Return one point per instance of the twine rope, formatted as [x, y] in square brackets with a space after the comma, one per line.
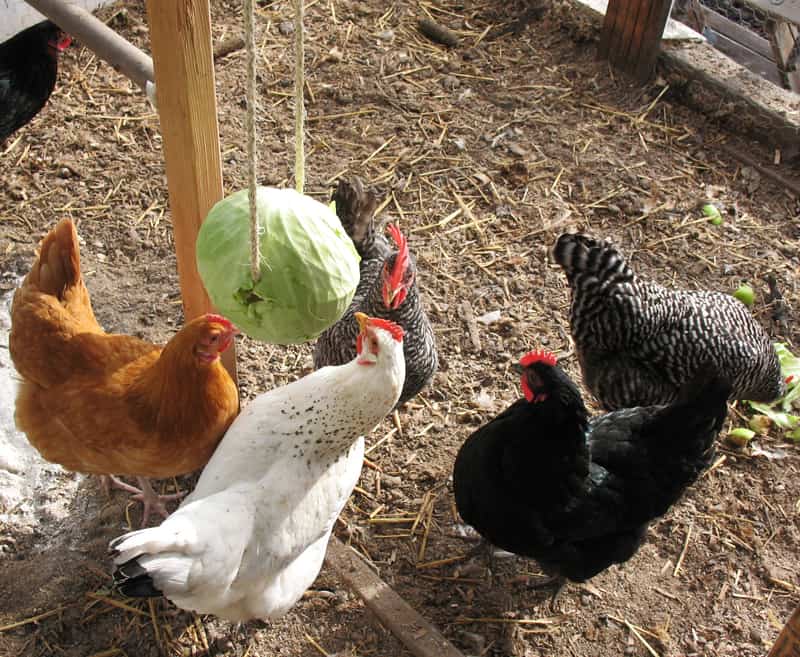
[252, 157]
[299, 99]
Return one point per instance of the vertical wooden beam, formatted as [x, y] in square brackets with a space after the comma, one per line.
[631, 35]
[782, 36]
[788, 642]
[180, 38]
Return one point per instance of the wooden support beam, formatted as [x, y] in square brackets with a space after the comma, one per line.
[783, 36]
[420, 637]
[180, 38]
[788, 641]
[631, 35]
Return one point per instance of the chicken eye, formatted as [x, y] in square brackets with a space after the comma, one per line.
[214, 338]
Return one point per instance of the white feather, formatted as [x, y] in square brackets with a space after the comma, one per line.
[252, 536]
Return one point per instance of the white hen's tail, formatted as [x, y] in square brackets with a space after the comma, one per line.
[153, 561]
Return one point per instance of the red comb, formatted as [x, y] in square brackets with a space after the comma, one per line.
[538, 356]
[395, 329]
[219, 319]
[63, 42]
[789, 378]
[402, 259]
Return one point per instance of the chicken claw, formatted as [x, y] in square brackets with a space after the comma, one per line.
[146, 495]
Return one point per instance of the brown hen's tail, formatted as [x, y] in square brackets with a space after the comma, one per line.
[58, 266]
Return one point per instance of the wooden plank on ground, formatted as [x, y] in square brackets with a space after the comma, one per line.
[180, 38]
[631, 35]
[788, 642]
[758, 107]
[420, 637]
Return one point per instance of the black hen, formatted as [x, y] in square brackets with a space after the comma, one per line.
[28, 68]
[638, 342]
[543, 480]
[387, 289]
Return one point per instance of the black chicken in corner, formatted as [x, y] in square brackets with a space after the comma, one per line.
[28, 69]
[543, 480]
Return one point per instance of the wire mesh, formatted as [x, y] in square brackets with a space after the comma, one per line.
[739, 12]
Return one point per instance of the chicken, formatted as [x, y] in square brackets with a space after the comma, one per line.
[387, 288]
[543, 480]
[251, 537]
[638, 343]
[113, 404]
[28, 69]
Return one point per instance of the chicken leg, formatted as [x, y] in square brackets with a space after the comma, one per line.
[146, 495]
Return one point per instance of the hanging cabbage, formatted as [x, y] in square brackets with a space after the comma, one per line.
[309, 266]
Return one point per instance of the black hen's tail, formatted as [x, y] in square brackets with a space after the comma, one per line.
[691, 423]
[587, 261]
[133, 581]
[355, 207]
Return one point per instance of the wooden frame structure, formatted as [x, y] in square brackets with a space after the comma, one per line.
[632, 30]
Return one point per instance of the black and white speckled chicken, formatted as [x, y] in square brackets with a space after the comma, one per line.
[638, 342]
[387, 289]
[545, 481]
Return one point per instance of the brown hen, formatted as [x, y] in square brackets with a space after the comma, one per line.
[109, 404]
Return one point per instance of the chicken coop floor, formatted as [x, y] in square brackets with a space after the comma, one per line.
[483, 153]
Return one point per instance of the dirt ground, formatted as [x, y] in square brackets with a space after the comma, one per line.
[483, 153]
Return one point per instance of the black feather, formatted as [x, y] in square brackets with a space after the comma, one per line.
[133, 581]
[543, 480]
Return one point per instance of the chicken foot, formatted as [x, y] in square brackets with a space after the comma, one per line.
[151, 500]
[558, 582]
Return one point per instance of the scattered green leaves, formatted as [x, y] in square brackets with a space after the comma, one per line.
[779, 412]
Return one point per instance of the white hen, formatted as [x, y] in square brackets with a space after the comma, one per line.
[252, 536]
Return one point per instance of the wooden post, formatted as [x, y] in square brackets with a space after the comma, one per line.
[631, 36]
[788, 642]
[180, 38]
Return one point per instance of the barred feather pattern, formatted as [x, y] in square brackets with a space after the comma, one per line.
[639, 342]
[337, 344]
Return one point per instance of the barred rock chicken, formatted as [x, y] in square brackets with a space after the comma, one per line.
[110, 404]
[251, 537]
[387, 288]
[543, 480]
[638, 342]
[28, 69]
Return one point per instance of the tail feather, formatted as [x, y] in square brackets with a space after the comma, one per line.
[58, 266]
[133, 581]
[355, 207]
[152, 560]
[581, 256]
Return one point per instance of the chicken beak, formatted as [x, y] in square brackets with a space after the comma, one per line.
[362, 320]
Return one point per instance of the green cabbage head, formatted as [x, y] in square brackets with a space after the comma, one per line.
[309, 266]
